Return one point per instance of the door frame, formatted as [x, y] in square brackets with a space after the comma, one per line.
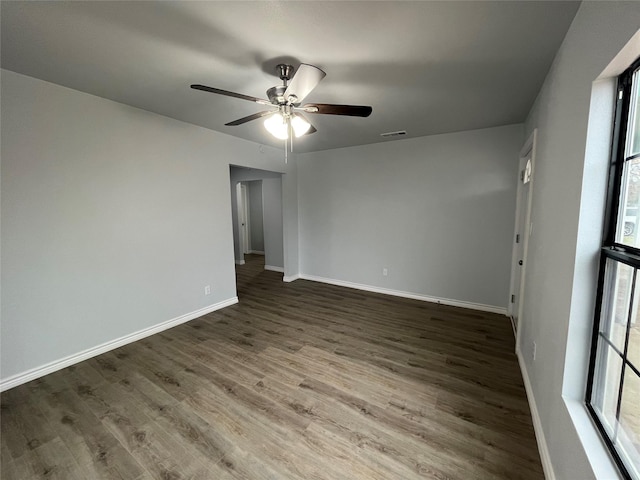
[528, 149]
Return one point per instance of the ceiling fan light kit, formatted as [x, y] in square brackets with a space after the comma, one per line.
[299, 125]
[281, 123]
[284, 122]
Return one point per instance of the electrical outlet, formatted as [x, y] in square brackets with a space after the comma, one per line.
[535, 347]
[207, 290]
[385, 272]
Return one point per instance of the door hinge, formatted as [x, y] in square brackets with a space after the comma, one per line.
[513, 299]
[517, 238]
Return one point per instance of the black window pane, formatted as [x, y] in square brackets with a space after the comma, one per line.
[633, 127]
[614, 377]
[628, 437]
[607, 386]
[633, 354]
[629, 216]
[616, 300]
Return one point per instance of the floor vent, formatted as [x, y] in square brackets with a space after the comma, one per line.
[399, 133]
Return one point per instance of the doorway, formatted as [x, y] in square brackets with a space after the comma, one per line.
[523, 228]
[257, 217]
[250, 214]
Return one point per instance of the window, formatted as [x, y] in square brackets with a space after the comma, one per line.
[613, 391]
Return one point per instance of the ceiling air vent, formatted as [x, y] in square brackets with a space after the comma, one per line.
[399, 133]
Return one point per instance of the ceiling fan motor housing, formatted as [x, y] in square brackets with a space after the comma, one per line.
[276, 94]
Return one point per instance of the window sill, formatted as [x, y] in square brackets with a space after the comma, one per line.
[603, 466]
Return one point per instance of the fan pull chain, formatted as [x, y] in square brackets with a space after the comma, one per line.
[285, 150]
[291, 135]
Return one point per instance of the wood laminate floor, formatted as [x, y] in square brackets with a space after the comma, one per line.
[297, 381]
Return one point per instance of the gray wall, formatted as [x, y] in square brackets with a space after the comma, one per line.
[568, 200]
[273, 214]
[255, 215]
[113, 220]
[437, 212]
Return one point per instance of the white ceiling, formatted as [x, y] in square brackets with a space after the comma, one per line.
[424, 67]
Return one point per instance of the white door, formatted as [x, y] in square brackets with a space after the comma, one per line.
[522, 232]
[246, 247]
[243, 218]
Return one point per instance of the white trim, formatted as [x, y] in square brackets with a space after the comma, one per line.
[601, 461]
[32, 374]
[291, 278]
[543, 448]
[239, 262]
[256, 252]
[274, 269]
[415, 296]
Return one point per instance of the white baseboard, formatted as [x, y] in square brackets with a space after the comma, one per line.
[274, 269]
[256, 252]
[543, 448]
[239, 262]
[20, 378]
[415, 296]
[291, 278]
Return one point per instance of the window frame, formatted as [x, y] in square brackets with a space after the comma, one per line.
[616, 252]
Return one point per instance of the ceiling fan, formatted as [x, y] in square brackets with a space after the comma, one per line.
[288, 119]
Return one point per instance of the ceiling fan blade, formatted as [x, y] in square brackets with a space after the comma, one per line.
[330, 109]
[204, 88]
[255, 116]
[305, 79]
